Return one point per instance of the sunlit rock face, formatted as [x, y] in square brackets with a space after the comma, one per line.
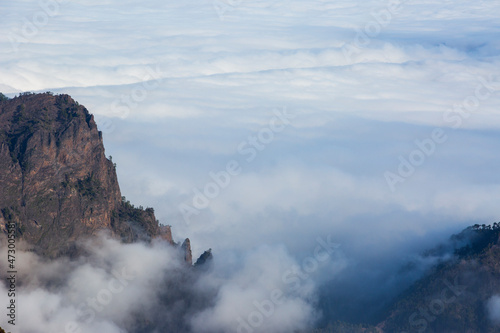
[56, 182]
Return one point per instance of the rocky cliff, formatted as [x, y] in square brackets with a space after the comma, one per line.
[56, 183]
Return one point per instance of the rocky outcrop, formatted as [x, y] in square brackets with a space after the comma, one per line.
[56, 183]
[186, 249]
[166, 233]
[204, 259]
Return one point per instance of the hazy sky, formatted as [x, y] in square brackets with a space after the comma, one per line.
[375, 122]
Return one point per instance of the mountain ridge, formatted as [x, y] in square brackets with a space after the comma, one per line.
[56, 183]
[452, 296]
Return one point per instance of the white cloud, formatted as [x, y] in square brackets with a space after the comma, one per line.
[118, 287]
[248, 299]
[183, 88]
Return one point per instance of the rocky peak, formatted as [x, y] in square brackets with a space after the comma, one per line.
[205, 258]
[56, 183]
[186, 248]
[166, 233]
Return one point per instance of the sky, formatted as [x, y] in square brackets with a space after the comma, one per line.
[260, 126]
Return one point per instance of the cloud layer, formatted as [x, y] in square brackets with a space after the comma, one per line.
[149, 288]
[178, 87]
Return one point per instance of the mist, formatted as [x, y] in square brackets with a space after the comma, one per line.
[493, 307]
[387, 149]
[139, 287]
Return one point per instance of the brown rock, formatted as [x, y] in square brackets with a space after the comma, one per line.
[166, 233]
[55, 180]
[186, 248]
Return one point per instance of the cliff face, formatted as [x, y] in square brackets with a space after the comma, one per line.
[186, 249]
[55, 180]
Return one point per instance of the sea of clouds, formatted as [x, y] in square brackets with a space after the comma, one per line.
[374, 122]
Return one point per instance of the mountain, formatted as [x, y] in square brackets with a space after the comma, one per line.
[57, 187]
[456, 295]
[56, 183]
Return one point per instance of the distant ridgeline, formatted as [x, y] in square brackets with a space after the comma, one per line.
[56, 183]
[452, 296]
